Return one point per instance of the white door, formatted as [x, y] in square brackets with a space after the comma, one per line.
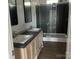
[10, 41]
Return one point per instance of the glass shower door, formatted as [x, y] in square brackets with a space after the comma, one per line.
[46, 18]
[42, 17]
[52, 20]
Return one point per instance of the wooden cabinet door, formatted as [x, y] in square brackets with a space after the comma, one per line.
[39, 42]
[29, 51]
[19, 53]
[33, 48]
[25, 53]
[41, 39]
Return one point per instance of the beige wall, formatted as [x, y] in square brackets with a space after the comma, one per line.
[33, 8]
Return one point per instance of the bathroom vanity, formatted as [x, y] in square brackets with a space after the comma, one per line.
[28, 44]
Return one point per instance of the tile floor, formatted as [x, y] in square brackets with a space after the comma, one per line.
[53, 50]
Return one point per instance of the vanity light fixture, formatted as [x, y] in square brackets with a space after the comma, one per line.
[51, 1]
[27, 3]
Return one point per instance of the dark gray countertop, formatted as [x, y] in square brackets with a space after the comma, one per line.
[20, 45]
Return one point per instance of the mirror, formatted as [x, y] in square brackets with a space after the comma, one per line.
[13, 12]
[27, 11]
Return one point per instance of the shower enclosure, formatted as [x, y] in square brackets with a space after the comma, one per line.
[52, 18]
[46, 18]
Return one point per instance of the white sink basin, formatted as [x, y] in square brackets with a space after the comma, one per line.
[22, 38]
[34, 29]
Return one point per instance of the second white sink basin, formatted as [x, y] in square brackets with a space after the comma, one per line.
[22, 38]
[34, 29]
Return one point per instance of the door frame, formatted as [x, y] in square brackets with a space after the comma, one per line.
[10, 39]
